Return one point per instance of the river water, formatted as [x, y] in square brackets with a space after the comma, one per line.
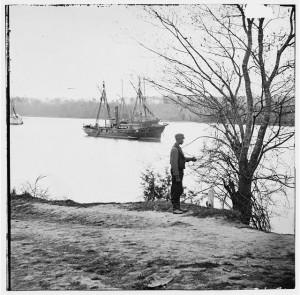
[87, 169]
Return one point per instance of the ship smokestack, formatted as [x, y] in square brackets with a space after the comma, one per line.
[117, 115]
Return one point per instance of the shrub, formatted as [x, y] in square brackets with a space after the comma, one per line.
[156, 186]
[34, 190]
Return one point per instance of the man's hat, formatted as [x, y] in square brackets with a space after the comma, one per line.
[179, 135]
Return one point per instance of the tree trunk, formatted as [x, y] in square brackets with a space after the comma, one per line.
[241, 200]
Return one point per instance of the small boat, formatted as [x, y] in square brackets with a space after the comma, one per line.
[15, 119]
[143, 125]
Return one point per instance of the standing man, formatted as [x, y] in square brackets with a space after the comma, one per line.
[177, 161]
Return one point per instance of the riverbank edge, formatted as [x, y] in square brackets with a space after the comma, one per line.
[242, 270]
[157, 205]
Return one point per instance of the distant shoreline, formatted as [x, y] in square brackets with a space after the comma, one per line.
[169, 121]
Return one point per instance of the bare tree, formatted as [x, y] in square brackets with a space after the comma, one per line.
[240, 72]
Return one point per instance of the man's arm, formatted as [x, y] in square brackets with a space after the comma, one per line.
[188, 159]
[174, 161]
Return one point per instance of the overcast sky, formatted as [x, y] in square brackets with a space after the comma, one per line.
[65, 51]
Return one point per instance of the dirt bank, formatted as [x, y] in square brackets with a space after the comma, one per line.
[68, 246]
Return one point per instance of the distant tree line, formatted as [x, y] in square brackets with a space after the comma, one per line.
[69, 108]
[161, 107]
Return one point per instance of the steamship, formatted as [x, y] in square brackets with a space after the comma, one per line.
[143, 124]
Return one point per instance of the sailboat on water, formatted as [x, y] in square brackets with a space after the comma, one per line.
[143, 124]
[15, 119]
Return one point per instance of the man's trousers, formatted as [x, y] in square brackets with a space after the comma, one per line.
[176, 190]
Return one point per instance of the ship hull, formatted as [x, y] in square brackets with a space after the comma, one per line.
[149, 133]
[110, 132]
[152, 133]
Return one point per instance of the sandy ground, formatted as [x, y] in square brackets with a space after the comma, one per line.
[109, 246]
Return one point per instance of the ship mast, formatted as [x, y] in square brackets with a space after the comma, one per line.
[99, 109]
[123, 107]
[140, 106]
[103, 99]
[12, 108]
